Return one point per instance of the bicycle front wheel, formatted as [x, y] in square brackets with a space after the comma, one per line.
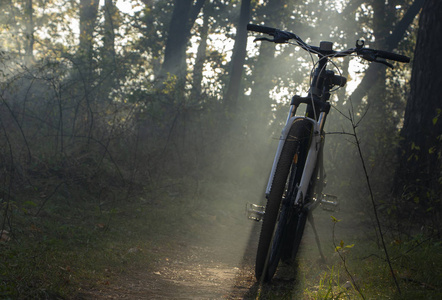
[279, 212]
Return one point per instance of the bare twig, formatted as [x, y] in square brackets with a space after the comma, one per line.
[18, 125]
[7, 197]
[339, 132]
[378, 223]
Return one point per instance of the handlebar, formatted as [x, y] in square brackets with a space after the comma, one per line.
[261, 29]
[390, 55]
[280, 36]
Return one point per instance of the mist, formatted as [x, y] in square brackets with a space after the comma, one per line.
[128, 163]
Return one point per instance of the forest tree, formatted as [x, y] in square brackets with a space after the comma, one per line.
[419, 175]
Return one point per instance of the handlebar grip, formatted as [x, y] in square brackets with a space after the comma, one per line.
[261, 29]
[393, 56]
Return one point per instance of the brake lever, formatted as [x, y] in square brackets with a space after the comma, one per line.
[372, 57]
[263, 39]
[278, 37]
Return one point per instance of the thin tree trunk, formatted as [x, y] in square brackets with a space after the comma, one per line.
[29, 48]
[88, 17]
[238, 58]
[200, 58]
[109, 55]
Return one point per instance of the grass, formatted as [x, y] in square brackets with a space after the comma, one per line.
[48, 259]
[72, 245]
[418, 267]
[417, 263]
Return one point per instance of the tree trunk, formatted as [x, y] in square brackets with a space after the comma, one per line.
[238, 58]
[110, 26]
[183, 17]
[88, 17]
[175, 51]
[421, 150]
[108, 52]
[200, 58]
[372, 73]
[263, 84]
[29, 43]
[85, 66]
[381, 20]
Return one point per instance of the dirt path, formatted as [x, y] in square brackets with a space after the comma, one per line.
[215, 261]
[190, 276]
[216, 264]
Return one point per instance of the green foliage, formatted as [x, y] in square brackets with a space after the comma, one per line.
[335, 220]
[329, 286]
[342, 247]
[436, 118]
[416, 263]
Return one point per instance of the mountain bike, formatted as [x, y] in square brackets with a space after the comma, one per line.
[297, 177]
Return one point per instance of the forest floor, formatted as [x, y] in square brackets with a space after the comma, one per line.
[174, 244]
[195, 248]
[211, 256]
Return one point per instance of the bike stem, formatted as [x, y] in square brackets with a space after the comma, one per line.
[318, 96]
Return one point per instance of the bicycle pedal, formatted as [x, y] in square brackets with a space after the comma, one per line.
[255, 212]
[329, 202]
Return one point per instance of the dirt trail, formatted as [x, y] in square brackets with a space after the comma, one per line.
[215, 261]
[215, 264]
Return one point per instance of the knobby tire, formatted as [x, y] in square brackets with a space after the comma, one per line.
[282, 229]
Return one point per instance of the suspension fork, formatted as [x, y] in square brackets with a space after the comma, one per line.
[314, 162]
[283, 137]
[317, 180]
